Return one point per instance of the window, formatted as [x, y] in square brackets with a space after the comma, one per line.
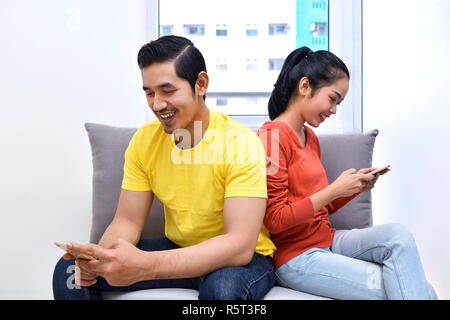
[221, 30]
[222, 101]
[194, 29]
[275, 64]
[318, 29]
[251, 30]
[319, 4]
[278, 28]
[166, 29]
[221, 65]
[252, 65]
[244, 56]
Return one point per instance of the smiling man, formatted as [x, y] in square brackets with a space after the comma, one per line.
[207, 170]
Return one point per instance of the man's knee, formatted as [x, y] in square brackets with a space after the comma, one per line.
[64, 284]
[236, 283]
[224, 284]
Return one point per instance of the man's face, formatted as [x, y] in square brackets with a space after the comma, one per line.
[169, 97]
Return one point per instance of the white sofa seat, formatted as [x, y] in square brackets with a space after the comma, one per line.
[276, 293]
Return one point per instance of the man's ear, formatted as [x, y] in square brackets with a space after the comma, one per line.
[201, 85]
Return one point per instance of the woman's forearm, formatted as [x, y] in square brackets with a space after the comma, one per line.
[323, 197]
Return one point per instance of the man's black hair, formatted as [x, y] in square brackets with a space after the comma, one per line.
[188, 60]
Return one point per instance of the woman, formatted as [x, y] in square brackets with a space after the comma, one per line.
[380, 262]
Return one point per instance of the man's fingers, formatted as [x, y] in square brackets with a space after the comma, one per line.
[87, 276]
[68, 256]
[86, 270]
[86, 283]
[90, 267]
[90, 249]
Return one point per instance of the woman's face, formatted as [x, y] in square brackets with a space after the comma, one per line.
[317, 108]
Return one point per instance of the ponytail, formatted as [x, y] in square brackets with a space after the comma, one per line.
[285, 84]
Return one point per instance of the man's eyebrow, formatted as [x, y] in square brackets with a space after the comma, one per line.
[164, 85]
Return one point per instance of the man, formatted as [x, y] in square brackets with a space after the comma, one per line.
[207, 170]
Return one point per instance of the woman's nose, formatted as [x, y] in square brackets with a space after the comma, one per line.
[333, 109]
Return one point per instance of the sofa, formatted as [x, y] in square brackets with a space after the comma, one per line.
[108, 145]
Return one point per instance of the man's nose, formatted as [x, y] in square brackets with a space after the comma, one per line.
[159, 103]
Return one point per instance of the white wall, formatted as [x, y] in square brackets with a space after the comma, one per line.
[58, 70]
[406, 77]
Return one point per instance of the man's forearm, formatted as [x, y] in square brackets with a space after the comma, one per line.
[197, 260]
[120, 228]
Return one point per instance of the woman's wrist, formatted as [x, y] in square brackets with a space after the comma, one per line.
[324, 197]
[334, 192]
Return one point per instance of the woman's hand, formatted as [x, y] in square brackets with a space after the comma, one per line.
[371, 184]
[351, 182]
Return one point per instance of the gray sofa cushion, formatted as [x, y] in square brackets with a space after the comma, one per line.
[108, 145]
[341, 152]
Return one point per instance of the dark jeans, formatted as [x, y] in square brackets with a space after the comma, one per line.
[250, 282]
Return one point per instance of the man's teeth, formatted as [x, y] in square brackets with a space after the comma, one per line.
[165, 116]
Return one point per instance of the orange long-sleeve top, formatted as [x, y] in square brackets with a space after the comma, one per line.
[294, 173]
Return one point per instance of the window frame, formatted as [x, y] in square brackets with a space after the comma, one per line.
[345, 26]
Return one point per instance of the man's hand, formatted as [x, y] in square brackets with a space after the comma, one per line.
[82, 277]
[120, 264]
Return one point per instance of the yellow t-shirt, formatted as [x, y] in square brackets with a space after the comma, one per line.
[192, 184]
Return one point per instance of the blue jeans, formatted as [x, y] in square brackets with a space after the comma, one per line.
[381, 262]
[250, 282]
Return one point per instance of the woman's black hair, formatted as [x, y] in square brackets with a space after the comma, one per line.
[188, 60]
[322, 68]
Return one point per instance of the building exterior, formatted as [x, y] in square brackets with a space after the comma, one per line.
[245, 43]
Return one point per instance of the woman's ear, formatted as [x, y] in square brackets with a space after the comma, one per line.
[201, 85]
[304, 88]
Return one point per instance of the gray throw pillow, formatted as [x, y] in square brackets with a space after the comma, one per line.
[339, 153]
[108, 145]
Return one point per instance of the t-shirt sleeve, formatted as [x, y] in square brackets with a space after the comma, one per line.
[134, 176]
[245, 169]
